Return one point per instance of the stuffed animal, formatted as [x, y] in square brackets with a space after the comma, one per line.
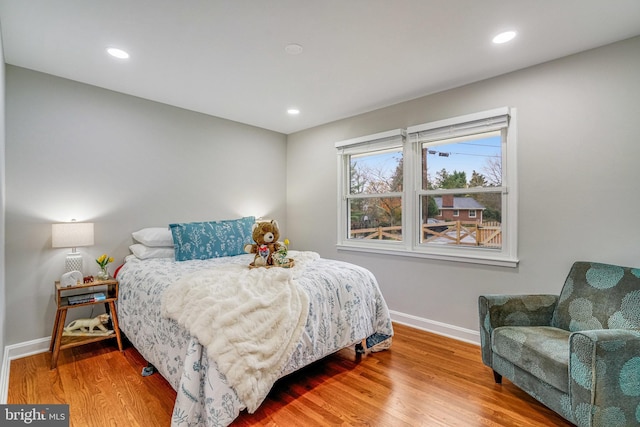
[265, 234]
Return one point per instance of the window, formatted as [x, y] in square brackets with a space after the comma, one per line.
[372, 188]
[444, 190]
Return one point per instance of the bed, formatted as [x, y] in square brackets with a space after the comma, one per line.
[338, 305]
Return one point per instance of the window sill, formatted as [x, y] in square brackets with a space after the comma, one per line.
[397, 251]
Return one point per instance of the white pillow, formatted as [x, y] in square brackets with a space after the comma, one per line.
[154, 236]
[144, 252]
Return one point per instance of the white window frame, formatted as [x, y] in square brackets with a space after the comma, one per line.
[366, 144]
[503, 119]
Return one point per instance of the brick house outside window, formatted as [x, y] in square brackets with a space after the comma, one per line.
[465, 209]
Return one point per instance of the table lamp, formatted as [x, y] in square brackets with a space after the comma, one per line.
[72, 235]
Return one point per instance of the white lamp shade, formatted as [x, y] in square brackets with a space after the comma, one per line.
[72, 234]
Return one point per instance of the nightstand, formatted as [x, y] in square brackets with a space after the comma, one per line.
[59, 341]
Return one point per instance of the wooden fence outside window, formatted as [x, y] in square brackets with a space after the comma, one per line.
[487, 234]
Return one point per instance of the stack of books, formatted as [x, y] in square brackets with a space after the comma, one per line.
[85, 298]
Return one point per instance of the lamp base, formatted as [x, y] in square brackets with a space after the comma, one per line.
[73, 262]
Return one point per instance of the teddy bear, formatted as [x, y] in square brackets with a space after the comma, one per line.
[265, 234]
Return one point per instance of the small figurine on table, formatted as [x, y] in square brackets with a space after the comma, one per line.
[84, 327]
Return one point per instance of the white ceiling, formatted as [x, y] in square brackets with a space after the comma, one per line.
[226, 58]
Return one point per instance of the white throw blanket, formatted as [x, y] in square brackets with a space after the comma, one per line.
[249, 320]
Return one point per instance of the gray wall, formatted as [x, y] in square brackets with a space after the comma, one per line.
[74, 150]
[579, 151]
[124, 163]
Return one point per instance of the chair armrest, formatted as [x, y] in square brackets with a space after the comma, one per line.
[512, 310]
[604, 383]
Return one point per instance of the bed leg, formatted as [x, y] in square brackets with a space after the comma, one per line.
[148, 370]
[497, 377]
[361, 347]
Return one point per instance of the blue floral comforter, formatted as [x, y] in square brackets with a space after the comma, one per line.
[346, 306]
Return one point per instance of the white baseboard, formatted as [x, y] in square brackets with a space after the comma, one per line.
[16, 351]
[4, 377]
[451, 331]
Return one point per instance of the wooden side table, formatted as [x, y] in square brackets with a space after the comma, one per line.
[58, 341]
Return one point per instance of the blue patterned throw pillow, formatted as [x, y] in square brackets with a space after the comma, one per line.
[204, 240]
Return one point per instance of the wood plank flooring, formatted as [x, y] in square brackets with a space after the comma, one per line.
[423, 380]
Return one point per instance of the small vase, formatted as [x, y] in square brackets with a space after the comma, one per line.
[103, 274]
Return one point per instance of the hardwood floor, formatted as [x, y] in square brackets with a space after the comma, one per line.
[423, 380]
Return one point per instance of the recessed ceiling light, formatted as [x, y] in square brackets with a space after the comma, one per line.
[293, 111]
[293, 49]
[504, 37]
[118, 53]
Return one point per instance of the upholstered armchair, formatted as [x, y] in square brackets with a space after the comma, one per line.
[578, 352]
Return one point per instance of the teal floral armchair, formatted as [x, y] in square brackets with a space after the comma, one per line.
[578, 353]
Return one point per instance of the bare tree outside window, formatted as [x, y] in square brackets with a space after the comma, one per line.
[377, 177]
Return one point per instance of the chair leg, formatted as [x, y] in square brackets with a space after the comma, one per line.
[497, 377]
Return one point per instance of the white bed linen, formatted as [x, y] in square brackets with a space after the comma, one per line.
[345, 306]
